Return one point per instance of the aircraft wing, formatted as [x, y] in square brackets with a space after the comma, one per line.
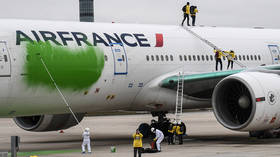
[198, 85]
[201, 85]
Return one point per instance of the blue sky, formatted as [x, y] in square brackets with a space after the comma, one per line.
[230, 13]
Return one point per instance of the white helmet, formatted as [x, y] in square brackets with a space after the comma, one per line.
[174, 122]
[179, 122]
[87, 129]
[153, 129]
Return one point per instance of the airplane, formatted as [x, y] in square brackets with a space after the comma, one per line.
[101, 67]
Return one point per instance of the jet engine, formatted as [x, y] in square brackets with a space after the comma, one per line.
[43, 123]
[248, 101]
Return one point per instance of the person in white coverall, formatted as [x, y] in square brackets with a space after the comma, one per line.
[159, 137]
[86, 141]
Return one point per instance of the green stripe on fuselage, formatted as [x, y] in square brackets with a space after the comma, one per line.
[171, 81]
[73, 69]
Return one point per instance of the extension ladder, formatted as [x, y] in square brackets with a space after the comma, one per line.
[179, 97]
[212, 45]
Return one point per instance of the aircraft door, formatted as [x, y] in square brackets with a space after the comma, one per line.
[274, 50]
[120, 59]
[5, 62]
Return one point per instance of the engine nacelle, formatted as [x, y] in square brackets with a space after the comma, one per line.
[248, 101]
[42, 123]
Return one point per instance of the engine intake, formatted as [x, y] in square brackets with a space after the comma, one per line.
[43, 123]
[248, 101]
[234, 105]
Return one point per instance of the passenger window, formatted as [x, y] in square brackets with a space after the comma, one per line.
[259, 56]
[194, 58]
[147, 58]
[252, 58]
[224, 58]
[207, 58]
[106, 57]
[166, 58]
[248, 58]
[256, 57]
[171, 57]
[185, 57]
[180, 58]
[240, 58]
[162, 58]
[244, 58]
[190, 58]
[157, 57]
[198, 57]
[211, 58]
[152, 57]
[202, 57]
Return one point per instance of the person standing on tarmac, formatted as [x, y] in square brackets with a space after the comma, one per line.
[230, 57]
[218, 58]
[186, 10]
[171, 131]
[193, 11]
[159, 137]
[86, 141]
[137, 143]
[179, 132]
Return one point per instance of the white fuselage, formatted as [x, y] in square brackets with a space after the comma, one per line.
[121, 80]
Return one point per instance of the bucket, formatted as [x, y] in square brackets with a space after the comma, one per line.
[113, 149]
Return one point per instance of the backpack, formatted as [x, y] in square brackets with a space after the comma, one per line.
[182, 128]
[184, 9]
[192, 10]
[217, 55]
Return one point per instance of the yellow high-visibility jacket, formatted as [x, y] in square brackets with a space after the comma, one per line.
[137, 142]
[178, 130]
[172, 130]
[188, 9]
[231, 55]
[220, 54]
[195, 11]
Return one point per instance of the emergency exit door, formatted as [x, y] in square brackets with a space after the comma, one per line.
[274, 50]
[120, 59]
[5, 62]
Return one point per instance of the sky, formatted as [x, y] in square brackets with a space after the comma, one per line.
[229, 13]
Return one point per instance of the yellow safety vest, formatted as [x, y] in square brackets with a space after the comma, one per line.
[137, 142]
[230, 56]
[172, 130]
[188, 9]
[220, 54]
[195, 11]
[178, 130]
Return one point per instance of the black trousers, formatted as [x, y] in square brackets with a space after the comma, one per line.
[219, 60]
[180, 137]
[139, 151]
[170, 138]
[186, 16]
[193, 19]
[230, 63]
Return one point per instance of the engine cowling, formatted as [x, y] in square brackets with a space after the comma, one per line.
[248, 101]
[43, 123]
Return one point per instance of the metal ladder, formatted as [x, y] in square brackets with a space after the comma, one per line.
[212, 45]
[179, 97]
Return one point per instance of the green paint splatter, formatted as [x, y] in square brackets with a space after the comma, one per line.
[74, 69]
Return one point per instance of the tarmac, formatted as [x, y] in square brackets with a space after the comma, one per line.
[206, 138]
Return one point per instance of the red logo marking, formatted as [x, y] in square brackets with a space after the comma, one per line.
[159, 40]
